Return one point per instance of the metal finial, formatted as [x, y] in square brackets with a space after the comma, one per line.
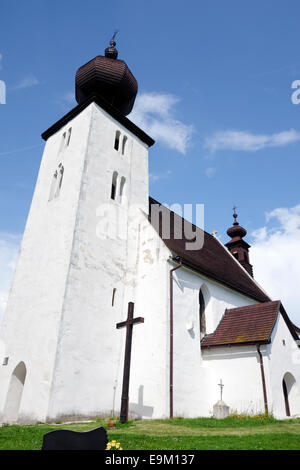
[234, 213]
[112, 42]
[110, 51]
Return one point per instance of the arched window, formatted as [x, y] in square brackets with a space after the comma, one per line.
[290, 394]
[117, 140]
[286, 398]
[65, 139]
[69, 136]
[59, 179]
[202, 314]
[122, 186]
[56, 182]
[124, 144]
[63, 142]
[114, 185]
[14, 394]
[53, 185]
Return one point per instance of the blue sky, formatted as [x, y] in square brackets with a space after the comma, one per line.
[214, 88]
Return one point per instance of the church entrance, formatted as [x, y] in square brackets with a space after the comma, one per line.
[14, 395]
[290, 394]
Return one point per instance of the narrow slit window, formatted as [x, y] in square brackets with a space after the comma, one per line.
[124, 144]
[63, 142]
[113, 296]
[114, 186]
[202, 314]
[117, 140]
[122, 188]
[59, 179]
[69, 136]
[53, 186]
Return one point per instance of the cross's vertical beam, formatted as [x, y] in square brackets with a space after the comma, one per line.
[126, 373]
[221, 389]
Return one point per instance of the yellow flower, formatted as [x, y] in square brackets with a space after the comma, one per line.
[114, 444]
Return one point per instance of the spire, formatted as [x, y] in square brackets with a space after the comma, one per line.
[234, 215]
[109, 78]
[236, 232]
[111, 52]
[237, 246]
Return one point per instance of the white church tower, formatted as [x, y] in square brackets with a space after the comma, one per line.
[77, 264]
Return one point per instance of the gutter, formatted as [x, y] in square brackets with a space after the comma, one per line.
[172, 331]
[263, 378]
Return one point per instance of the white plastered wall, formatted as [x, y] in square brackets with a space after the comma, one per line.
[283, 358]
[239, 369]
[89, 360]
[32, 320]
[195, 379]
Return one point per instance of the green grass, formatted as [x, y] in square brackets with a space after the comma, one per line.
[233, 433]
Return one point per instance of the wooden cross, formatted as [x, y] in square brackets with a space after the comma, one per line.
[221, 387]
[126, 374]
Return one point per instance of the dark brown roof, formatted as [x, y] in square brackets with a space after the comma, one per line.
[213, 260]
[109, 109]
[109, 78]
[244, 325]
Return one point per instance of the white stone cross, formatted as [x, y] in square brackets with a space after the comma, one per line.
[221, 387]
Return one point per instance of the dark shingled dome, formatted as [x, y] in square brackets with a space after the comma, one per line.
[236, 231]
[109, 78]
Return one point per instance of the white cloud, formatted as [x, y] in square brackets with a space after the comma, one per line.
[26, 82]
[159, 176]
[246, 141]
[22, 149]
[275, 255]
[66, 100]
[154, 113]
[210, 171]
[69, 97]
[9, 247]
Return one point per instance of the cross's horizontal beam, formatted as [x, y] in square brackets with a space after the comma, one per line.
[130, 322]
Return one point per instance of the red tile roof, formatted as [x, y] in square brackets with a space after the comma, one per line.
[249, 324]
[212, 260]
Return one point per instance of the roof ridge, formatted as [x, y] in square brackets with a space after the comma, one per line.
[258, 305]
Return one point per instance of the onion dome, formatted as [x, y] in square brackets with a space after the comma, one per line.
[109, 78]
[238, 247]
[236, 232]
